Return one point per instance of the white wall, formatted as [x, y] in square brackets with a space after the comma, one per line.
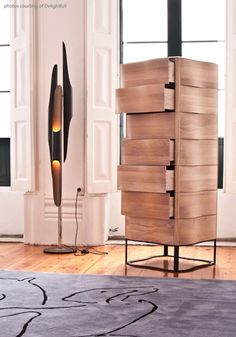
[11, 212]
[226, 215]
[116, 219]
[52, 27]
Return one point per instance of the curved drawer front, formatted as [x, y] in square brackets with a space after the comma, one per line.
[194, 205]
[196, 73]
[195, 178]
[162, 125]
[144, 98]
[195, 230]
[196, 152]
[147, 72]
[145, 178]
[198, 100]
[150, 230]
[150, 126]
[172, 231]
[147, 205]
[147, 152]
[196, 126]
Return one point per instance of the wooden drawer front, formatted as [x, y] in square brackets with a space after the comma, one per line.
[196, 73]
[172, 231]
[198, 100]
[145, 178]
[195, 178]
[196, 152]
[145, 98]
[152, 125]
[147, 72]
[196, 230]
[147, 152]
[193, 205]
[147, 205]
[197, 126]
[150, 230]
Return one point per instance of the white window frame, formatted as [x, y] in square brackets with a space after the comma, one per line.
[102, 132]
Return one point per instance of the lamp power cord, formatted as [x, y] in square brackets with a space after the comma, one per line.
[85, 249]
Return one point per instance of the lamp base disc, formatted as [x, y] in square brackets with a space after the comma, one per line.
[59, 250]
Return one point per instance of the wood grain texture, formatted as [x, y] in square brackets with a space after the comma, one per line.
[172, 231]
[197, 100]
[197, 204]
[147, 205]
[196, 73]
[162, 125]
[158, 71]
[189, 231]
[147, 152]
[150, 126]
[195, 178]
[19, 256]
[150, 230]
[149, 143]
[145, 178]
[196, 152]
[196, 126]
[145, 98]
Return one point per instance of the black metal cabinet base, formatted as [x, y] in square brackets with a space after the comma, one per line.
[176, 257]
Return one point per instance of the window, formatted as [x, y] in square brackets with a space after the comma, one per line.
[189, 28]
[4, 97]
[144, 30]
[206, 41]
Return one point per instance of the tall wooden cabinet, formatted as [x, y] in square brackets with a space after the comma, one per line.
[168, 171]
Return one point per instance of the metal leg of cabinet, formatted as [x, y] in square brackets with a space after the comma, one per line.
[176, 257]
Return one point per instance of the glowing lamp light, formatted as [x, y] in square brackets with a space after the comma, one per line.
[56, 128]
[56, 165]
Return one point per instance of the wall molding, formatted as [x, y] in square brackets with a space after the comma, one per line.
[68, 208]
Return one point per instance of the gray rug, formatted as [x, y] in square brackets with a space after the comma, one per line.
[62, 305]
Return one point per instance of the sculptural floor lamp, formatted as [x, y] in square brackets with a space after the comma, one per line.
[59, 116]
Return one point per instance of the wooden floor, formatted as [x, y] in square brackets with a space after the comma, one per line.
[17, 256]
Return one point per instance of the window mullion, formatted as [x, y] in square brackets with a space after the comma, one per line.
[174, 28]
